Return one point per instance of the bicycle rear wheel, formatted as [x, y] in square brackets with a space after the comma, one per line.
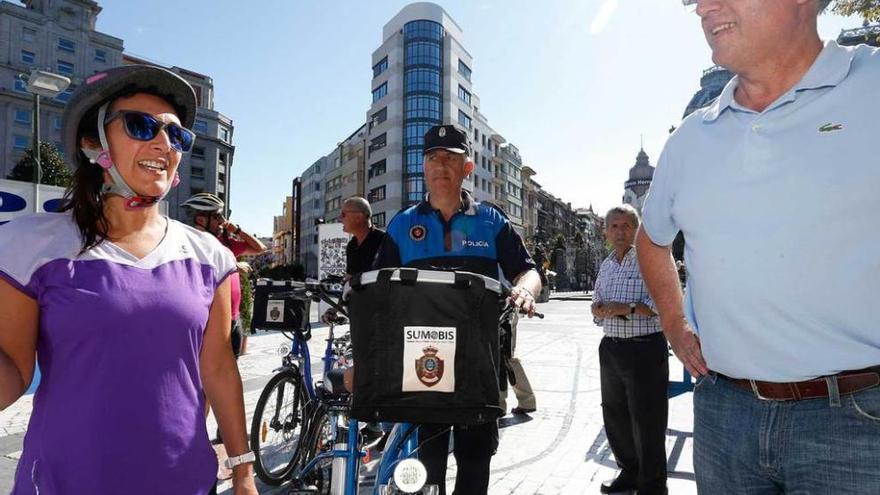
[277, 426]
[318, 440]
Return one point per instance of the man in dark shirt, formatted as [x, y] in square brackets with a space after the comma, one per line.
[366, 239]
[449, 230]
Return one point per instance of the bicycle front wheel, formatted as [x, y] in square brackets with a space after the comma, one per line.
[277, 426]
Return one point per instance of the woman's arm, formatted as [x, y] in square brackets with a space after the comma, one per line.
[222, 383]
[19, 321]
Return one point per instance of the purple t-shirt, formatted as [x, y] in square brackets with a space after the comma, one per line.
[118, 349]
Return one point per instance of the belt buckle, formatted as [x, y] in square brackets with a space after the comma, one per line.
[757, 392]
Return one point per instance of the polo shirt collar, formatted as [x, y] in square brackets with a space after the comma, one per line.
[468, 205]
[829, 69]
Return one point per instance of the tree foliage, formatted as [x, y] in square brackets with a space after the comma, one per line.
[869, 10]
[54, 170]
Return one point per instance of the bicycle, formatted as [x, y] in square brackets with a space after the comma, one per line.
[286, 402]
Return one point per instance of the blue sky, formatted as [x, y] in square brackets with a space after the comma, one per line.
[573, 84]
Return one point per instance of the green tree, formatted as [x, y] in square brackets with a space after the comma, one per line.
[869, 10]
[55, 172]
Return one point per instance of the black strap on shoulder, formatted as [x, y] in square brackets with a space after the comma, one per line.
[355, 281]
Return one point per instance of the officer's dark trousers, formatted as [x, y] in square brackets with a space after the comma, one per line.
[634, 374]
[474, 447]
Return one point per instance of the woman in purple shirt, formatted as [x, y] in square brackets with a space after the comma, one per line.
[126, 311]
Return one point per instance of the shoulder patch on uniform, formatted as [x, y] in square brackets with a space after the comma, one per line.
[418, 232]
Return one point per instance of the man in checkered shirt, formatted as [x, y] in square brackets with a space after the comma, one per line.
[633, 363]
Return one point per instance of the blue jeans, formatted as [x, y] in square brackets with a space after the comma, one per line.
[747, 446]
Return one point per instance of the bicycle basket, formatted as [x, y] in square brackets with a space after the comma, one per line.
[278, 305]
[426, 346]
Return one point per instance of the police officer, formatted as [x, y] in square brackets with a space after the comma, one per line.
[449, 230]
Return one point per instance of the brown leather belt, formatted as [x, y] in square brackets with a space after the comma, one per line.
[848, 382]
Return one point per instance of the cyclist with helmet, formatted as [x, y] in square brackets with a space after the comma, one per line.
[207, 213]
[126, 311]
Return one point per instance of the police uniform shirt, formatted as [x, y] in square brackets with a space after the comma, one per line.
[478, 238]
[359, 258]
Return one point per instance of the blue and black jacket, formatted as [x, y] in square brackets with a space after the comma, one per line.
[478, 238]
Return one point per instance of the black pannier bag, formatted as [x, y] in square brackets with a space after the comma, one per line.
[274, 312]
[426, 347]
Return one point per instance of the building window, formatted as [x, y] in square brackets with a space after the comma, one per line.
[200, 127]
[317, 186]
[378, 117]
[333, 184]
[315, 237]
[476, 135]
[464, 70]
[423, 53]
[28, 35]
[380, 92]
[20, 143]
[22, 117]
[376, 194]
[224, 134]
[476, 158]
[333, 204]
[422, 107]
[422, 79]
[28, 57]
[65, 68]
[377, 169]
[66, 45]
[379, 219]
[380, 67]
[198, 152]
[56, 122]
[198, 173]
[464, 120]
[59, 147]
[224, 160]
[378, 142]
[464, 95]
[20, 85]
[101, 56]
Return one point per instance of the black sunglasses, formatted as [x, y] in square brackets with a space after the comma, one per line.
[144, 127]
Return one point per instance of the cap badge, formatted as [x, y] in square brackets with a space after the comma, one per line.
[442, 132]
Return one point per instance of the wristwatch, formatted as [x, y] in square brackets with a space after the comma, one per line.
[632, 308]
[248, 456]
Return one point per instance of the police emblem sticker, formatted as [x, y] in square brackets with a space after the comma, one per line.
[418, 232]
[428, 359]
[442, 132]
[275, 311]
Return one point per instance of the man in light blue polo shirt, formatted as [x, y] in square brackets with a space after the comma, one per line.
[776, 187]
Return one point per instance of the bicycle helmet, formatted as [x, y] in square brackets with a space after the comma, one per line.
[97, 93]
[204, 201]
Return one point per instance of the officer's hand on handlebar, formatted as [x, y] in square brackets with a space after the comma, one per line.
[523, 299]
[329, 316]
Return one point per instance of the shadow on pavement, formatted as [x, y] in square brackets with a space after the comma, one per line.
[600, 453]
[513, 420]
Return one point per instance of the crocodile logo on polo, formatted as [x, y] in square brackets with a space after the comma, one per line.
[829, 127]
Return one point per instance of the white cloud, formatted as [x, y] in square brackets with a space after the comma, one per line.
[603, 16]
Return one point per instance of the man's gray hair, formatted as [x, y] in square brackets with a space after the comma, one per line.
[624, 210]
[821, 5]
[360, 204]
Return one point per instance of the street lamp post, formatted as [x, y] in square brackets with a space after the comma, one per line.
[48, 84]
